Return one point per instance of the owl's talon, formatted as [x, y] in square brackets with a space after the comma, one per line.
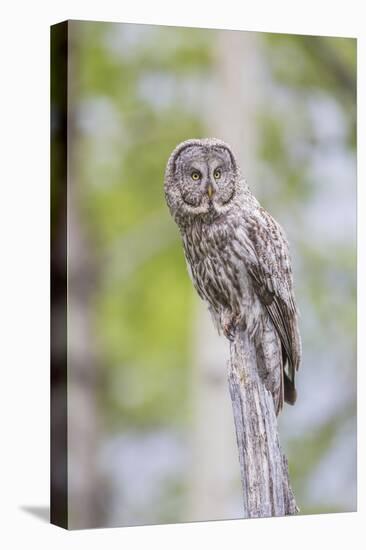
[229, 330]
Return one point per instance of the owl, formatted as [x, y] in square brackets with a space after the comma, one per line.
[238, 258]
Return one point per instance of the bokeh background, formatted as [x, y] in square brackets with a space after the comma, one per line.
[151, 435]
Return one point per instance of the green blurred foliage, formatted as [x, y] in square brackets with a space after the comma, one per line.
[318, 64]
[144, 338]
[143, 319]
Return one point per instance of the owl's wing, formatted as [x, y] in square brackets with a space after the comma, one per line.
[269, 266]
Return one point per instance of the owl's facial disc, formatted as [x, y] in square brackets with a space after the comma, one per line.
[206, 178]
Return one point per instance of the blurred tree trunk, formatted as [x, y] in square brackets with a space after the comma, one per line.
[85, 505]
[230, 115]
[84, 478]
[214, 473]
[233, 115]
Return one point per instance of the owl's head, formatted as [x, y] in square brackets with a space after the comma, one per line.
[201, 178]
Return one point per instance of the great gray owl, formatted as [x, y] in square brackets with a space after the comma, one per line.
[238, 258]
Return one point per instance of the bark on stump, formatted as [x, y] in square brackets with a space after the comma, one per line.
[263, 466]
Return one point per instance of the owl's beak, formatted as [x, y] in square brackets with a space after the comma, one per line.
[210, 190]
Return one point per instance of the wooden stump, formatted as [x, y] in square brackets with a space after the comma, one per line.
[263, 466]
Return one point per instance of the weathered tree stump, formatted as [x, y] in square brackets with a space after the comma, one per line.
[263, 466]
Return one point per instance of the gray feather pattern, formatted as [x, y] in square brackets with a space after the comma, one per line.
[237, 256]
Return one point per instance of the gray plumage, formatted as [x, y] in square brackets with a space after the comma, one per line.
[237, 256]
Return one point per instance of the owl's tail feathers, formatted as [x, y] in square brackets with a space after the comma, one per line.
[290, 390]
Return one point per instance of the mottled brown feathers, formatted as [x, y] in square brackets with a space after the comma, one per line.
[237, 256]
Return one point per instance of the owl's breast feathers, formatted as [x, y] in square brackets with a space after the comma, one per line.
[216, 261]
[205, 247]
[240, 263]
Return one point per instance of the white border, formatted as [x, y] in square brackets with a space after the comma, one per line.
[24, 400]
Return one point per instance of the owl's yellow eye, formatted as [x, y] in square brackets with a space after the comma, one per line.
[196, 175]
[217, 174]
